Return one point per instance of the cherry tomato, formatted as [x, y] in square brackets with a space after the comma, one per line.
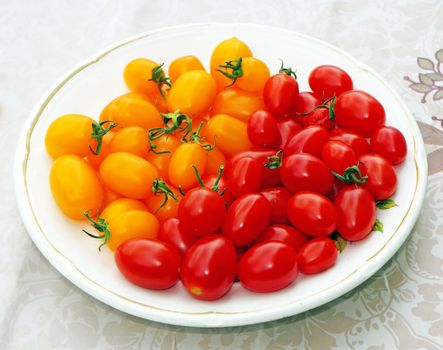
[319, 117]
[327, 81]
[132, 139]
[262, 129]
[192, 93]
[286, 234]
[286, 127]
[382, 178]
[356, 213]
[138, 75]
[182, 65]
[353, 139]
[390, 143]
[75, 186]
[215, 160]
[164, 210]
[247, 218]
[158, 100]
[312, 213]
[246, 176]
[128, 174]
[166, 143]
[172, 233]
[317, 255]
[132, 224]
[306, 102]
[211, 179]
[119, 206]
[338, 156]
[305, 172]
[230, 134]
[96, 159]
[109, 197]
[308, 140]
[148, 263]
[358, 111]
[280, 94]
[209, 267]
[268, 266]
[237, 103]
[278, 197]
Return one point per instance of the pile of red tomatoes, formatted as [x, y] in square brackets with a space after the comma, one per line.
[227, 175]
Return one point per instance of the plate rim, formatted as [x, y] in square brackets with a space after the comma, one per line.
[210, 318]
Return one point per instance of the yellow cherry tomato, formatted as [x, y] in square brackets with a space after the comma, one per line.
[109, 197]
[227, 50]
[131, 110]
[119, 206]
[161, 209]
[132, 139]
[155, 98]
[192, 93]
[237, 103]
[96, 159]
[181, 171]
[215, 160]
[75, 186]
[255, 75]
[137, 75]
[128, 175]
[166, 143]
[230, 134]
[182, 65]
[132, 224]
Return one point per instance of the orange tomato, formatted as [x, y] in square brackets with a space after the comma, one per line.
[75, 186]
[215, 160]
[237, 103]
[108, 197]
[192, 93]
[161, 209]
[132, 110]
[255, 75]
[96, 159]
[166, 143]
[132, 224]
[230, 134]
[227, 50]
[119, 206]
[132, 139]
[128, 175]
[182, 65]
[137, 75]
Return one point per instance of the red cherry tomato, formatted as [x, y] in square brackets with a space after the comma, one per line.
[308, 140]
[268, 266]
[338, 156]
[306, 102]
[356, 213]
[337, 186]
[390, 143]
[172, 233]
[286, 234]
[353, 139]
[327, 81]
[280, 94]
[358, 111]
[286, 128]
[148, 263]
[247, 218]
[319, 117]
[246, 176]
[262, 129]
[303, 171]
[210, 180]
[278, 197]
[317, 255]
[382, 178]
[209, 267]
[312, 213]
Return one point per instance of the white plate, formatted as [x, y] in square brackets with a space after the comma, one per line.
[88, 88]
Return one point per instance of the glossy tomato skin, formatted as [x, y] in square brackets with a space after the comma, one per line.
[247, 218]
[317, 255]
[280, 94]
[183, 64]
[262, 129]
[201, 211]
[353, 139]
[338, 156]
[308, 140]
[358, 111]
[303, 171]
[209, 267]
[172, 233]
[137, 75]
[328, 81]
[306, 102]
[246, 176]
[278, 197]
[286, 234]
[382, 177]
[268, 266]
[356, 213]
[121, 205]
[286, 128]
[390, 143]
[312, 213]
[255, 75]
[319, 117]
[209, 181]
[148, 263]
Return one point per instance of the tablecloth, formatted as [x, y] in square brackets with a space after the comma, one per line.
[400, 307]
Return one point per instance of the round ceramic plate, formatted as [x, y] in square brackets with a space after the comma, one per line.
[91, 85]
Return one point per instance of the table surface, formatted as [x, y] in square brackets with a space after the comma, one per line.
[401, 306]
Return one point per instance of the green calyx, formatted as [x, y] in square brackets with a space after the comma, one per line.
[101, 226]
[328, 104]
[98, 131]
[217, 180]
[287, 70]
[352, 175]
[232, 70]
[159, 187]
[197, 138]
[158, 77]
[275, 161]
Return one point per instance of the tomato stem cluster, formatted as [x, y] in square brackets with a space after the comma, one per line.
[217, 180]
[351, 175]
[275, 161]
[236, 70]
[196, 138]
[160, 187]
[98, 131]
[326, 104]
[287, 70]
[101, 226]
[160, 79]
